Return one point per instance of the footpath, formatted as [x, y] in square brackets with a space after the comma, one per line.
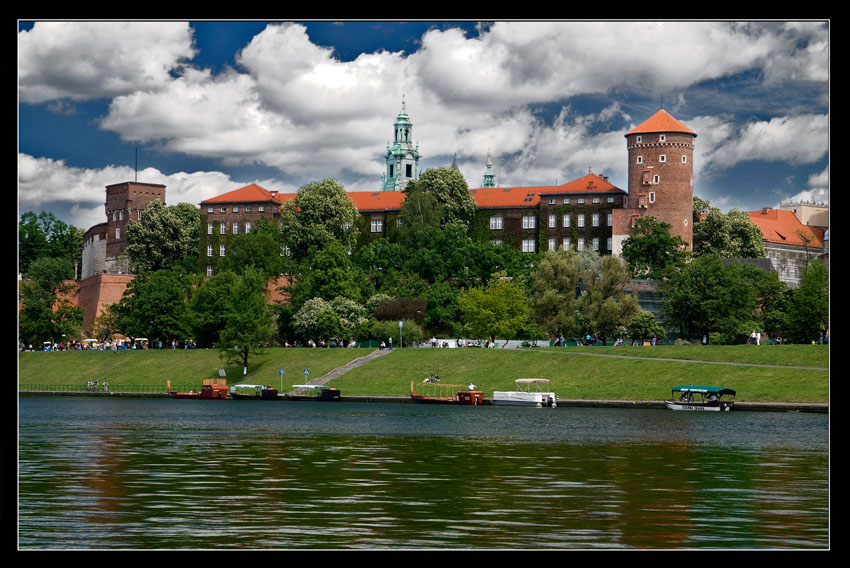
[339, 371]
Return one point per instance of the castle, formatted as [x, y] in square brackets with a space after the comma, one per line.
[586, 213]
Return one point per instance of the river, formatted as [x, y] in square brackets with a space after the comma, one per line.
[120, 473]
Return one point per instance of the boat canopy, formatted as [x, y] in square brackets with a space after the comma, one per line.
[322, 387]
[235, 387]
[704, 390]
[531, 381]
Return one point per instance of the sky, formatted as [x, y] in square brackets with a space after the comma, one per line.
[206, 107]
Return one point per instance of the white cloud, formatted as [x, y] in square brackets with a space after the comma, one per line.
[85, 60]
[794, 139]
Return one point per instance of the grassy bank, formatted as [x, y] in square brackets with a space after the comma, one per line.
[643, 374]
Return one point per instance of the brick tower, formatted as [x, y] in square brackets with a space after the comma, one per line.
[661, 177]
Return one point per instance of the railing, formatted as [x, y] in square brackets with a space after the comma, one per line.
[114, 389]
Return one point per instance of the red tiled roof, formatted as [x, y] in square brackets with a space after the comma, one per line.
[778, 226]
[530, 196]
[377, 200]
[249, 194]
[661, 121]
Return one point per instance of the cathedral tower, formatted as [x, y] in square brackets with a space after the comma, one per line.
[402, 156]
[661, 177]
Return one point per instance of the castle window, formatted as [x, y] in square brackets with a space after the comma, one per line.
[551, 201]
[377, 225]
[596, 200]
[496, 242]
[210, 228]
[528, 245]
[652, 197]
[261, 208]
[409, 170]
[117, 232]
[247, 208]
[662, 158]
[581, 220]
[595, 219]
[209, 270]
[640, 159]
[639, 139]
[684, 159]
[235, 228]
[221, 249]
[566, 220]
[566, 201]
[609, 243]
[566, 243]
[222, 228]
[210, 209]
[223, 210]
[209, 250]
[662, 138]
[392, 171]
[529, 222]
[610, 220]
[496, 222]
[247, 226]
[610, 200]
[552, 244]
[553, 222]
[595, 243]
[581, 200]
[580, 244]
[656, 178]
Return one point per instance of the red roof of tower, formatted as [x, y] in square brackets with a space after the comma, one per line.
[661, 121]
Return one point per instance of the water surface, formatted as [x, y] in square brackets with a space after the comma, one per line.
[97, 473]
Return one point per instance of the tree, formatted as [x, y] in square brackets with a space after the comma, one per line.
[321, 213]
[808, 313]
[259, 249]
[44, 235]
[499, 309]
[604, 303]
[155, 306]
[420, 211]
[164, 237]
[449, 188]
[328, 273]
[651, 251]
[46, 312]
[209, 307]
[319, 319]
[553, 300]
[733, 235]
[643, 326]
[249, 319]
[709, 298]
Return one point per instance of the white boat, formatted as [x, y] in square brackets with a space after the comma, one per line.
[528, 393]
[701, 398]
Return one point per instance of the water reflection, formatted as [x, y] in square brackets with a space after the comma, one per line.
[100, 473]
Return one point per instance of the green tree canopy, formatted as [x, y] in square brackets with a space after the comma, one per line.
[210, 307]
[258, 249]
[249, 322]
[651, 251]
[46, 312]
[321, 213]
[604, 303]
[643, 326]
[730, 235]
[154, 306]
[497, 310]
[164, 237]
[553, 300]
[452, 195]
[44, 235]
[808, 313]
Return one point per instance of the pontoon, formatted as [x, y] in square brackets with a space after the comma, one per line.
[692, 397]
[525, 395]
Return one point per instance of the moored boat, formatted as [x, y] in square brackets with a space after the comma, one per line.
[692, 397]
[253, 392]
[316, 392]
[524, 395]
[448, 394]
[211, 389]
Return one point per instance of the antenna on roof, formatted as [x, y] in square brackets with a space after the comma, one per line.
[137, 165]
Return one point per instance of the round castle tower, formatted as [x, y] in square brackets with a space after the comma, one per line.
[661, 175]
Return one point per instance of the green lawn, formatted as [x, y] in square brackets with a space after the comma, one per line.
[644, 374]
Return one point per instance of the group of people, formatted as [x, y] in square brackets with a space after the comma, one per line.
[94, 386]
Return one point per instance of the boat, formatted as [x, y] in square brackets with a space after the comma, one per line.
[211, 389]
[253, 392]
[317, 392]
[692, 397]
[524, 395]
[448, 394]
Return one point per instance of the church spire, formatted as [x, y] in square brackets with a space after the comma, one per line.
[402, 155]
[489, 176]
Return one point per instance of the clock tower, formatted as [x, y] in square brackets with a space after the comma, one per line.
[402, 155]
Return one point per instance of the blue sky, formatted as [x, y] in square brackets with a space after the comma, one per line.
[207, 107]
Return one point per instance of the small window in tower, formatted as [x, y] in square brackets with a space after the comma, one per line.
[662, 137]
[652, 197]
[662, 158]
[684, 159]
[640, 159]
[409, 170]
[639, 139]
[392, 173]
[656, 179]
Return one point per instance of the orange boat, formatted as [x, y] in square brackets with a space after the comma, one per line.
[211, 389]
[441, 395]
